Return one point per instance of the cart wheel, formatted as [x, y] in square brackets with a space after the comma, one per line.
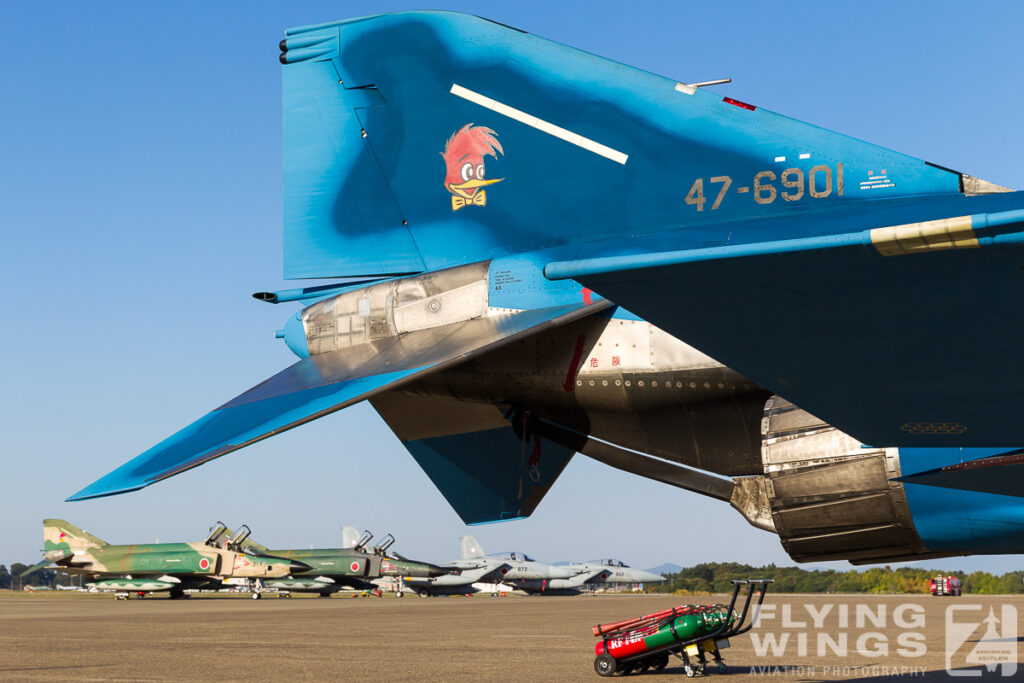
[722, 668]
[659, 662]
[605, 665]
[690, 673]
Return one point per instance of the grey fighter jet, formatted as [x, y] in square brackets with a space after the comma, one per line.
[514, 569]
[613, 571]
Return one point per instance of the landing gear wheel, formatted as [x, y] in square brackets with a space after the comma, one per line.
[423, 594]
[399, 594]
[689, 671]
[494, 595]
[324, 595]
[256, 596]
[659, 662]
[605, 665]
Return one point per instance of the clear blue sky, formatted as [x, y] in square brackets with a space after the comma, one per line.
[140, 204]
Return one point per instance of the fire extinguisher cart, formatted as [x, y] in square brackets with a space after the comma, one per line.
[689, 632]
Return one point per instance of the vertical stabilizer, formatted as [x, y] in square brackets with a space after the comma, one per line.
[418, 140]
[58, 533]
[349, 536]
[470, 548]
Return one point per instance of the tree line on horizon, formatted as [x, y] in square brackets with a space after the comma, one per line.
[714, 577]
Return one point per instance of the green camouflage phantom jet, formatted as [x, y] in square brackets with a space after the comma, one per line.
[141, 569]
[356, 565]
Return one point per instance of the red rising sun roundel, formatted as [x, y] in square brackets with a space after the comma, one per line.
[204, 563]
[464, 161]
[355, 566]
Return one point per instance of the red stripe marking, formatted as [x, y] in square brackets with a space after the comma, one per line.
[741, 105]
[577, 354]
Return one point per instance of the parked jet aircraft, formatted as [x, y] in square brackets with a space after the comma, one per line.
[548, 252]
[333, 569]
[146, 568]
[515, 569]
[614, 571]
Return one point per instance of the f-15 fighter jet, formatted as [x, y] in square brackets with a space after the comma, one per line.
[515, 569]
[614, 571]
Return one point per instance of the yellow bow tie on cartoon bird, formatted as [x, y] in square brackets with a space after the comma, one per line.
[478, 199]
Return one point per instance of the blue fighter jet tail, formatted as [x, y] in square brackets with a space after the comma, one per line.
[879, 292]
[481, 141]
[420, 140]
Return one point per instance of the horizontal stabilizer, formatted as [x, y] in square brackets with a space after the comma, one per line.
[44, 563]
[322, 384]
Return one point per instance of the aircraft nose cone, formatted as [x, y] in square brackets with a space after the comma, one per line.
[649, 577]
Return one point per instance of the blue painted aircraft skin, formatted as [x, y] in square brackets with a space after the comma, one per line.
[880, 292]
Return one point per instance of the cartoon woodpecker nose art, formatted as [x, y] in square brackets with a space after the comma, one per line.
[464, 157]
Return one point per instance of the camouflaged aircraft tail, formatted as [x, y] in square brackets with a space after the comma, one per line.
[59, 531]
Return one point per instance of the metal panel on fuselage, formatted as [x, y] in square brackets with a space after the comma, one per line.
[624, 381]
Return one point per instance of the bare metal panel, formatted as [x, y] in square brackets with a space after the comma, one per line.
[860, 543]
[462, 303]
[627, 383]
[870, 510]
[820, 482]
[395, 307]
[973, 186]
[751, 499]
[828, 496]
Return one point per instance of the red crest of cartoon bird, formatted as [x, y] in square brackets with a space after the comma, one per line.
[464, 158]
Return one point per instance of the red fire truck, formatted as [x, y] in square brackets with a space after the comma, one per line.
[944, 585]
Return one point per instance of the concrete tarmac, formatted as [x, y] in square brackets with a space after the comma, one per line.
[72, 636]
